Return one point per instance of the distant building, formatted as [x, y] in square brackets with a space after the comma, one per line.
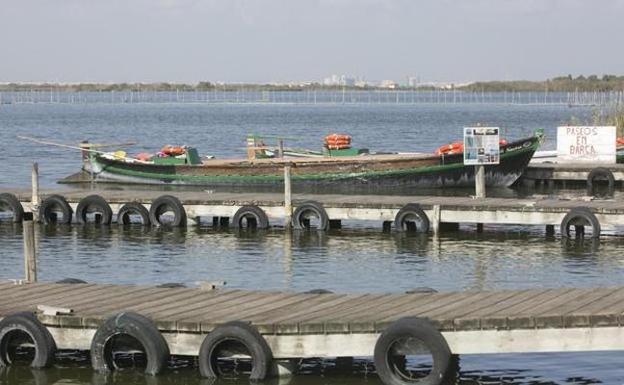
[390, 84]
[413, 81]
[339, 80]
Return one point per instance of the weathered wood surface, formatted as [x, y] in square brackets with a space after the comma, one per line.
[280, 313]
[603, 206]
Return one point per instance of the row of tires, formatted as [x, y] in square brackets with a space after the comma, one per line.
[411, 217]
[229, 337]
[56, 209]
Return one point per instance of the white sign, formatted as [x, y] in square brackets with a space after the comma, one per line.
[586, 144]
[481, 145]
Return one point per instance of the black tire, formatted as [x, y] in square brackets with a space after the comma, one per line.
[15, 324]
[236, 331]
[319, 291]
[170, 285]
[600, 173]
[408, 215]
[423, 331]
[94, 203]
[580, 216]
[11, 201]
[71, 281]
[123, 216]
[306, 209]
[47, 208]
[165, 203]
[134, 325]
[259, 219]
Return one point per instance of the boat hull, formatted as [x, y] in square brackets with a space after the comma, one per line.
[372, 172]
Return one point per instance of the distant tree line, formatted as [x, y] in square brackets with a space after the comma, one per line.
[591, 83]
[568, 83]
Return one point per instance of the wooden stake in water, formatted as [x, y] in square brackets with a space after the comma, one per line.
[280, 148]
[287, 198]
[35, 191]
[30, 254]
[480, 181]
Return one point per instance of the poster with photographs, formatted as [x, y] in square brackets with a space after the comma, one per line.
[481, 145]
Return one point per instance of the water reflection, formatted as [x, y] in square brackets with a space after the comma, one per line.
[347, 260]
[514, 369]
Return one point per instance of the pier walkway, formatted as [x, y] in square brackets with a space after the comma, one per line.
[430, 211]
[297, 325]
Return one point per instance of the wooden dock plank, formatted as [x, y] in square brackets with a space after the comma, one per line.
[483, 315]
[394, 308]
[440, 301]
[35, 293]
[208, 313]
[197, 305]
[561, 314]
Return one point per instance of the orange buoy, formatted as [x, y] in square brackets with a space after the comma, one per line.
[173, 150]
[450, 149]
[338, 142]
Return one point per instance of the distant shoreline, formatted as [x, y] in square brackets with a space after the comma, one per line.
[593, 83]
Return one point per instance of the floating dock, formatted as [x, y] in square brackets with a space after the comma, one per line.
[562, 175]
[296, 325]
[432, 212]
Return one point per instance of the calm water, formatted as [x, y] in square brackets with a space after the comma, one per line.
[359, 258]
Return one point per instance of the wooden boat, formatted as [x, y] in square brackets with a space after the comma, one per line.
[366, 171]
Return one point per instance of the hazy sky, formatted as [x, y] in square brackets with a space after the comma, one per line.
[284, 40]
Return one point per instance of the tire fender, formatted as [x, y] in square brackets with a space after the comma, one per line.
[10, 200]
[137, 326]
[242, 332]
[262, 221]
[45, 210]
[600, 172]
[160, 205]
[411, 210]
[45, 347]
[94, 201]
[422, 330]
[310, 207]
[583, 215]
[133, 208]
[71, 281]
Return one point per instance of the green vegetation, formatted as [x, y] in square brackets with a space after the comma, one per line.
[611, 117]
[144, 87]
[568, 83]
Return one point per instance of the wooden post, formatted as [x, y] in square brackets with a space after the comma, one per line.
[280, 148]
[30, 254]
[287, 198]
[435, 220]
[34, 202]
[480, 181]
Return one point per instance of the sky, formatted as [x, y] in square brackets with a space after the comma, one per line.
[262, 41]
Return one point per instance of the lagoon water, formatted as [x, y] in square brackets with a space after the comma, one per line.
[359, 258]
